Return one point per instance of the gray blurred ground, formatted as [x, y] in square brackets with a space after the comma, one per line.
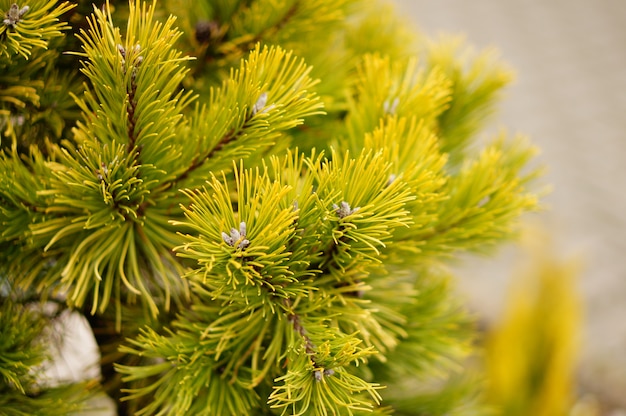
[570, 98]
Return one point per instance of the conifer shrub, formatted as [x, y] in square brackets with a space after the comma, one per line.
[252, 202]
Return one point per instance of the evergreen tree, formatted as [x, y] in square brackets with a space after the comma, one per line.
[253, 203]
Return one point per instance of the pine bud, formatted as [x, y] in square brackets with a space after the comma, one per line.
[206, 30]
[318, 375]
[237, 238]
[15, 14]
[121, 50]
[391, 108]
[344, 209]
[260, 103]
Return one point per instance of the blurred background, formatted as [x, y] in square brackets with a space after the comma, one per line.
[570, 98]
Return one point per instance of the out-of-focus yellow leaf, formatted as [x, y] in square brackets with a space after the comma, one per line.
[532, 353]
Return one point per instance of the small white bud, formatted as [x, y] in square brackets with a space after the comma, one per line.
[234, 234]
[121, 50]
[14, 15]
[268, 109]
[344, 209]
[227, 239]
[260, 103]
[237, 237]
[319, 374]
[483, 201]
[391, 108]
[133, 73]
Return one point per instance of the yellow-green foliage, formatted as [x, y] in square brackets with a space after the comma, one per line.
[253, 201]
[531, 355]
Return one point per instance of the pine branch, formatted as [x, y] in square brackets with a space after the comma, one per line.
[485, 197]
[268, 94]
[133, 75]
[476, 82]
[29, 36]
[108, 180]
[280, 19]
[28, 27]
